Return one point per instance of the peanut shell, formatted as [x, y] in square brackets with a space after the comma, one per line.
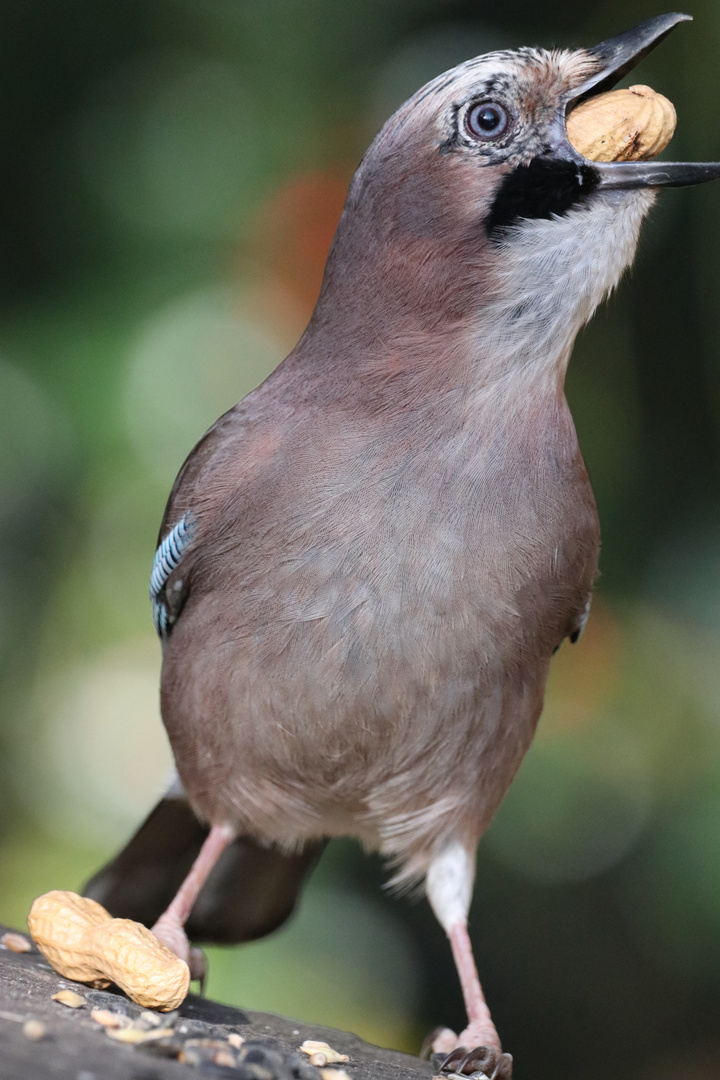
[58, 922]
[139, 964]
[623, 125]
[83, 942]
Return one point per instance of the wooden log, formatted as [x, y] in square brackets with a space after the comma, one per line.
[40, 1037]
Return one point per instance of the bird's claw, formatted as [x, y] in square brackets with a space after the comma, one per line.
[170, 932]
[197, 962]
[481, 1060]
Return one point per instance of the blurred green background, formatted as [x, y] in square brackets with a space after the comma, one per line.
[171, 172]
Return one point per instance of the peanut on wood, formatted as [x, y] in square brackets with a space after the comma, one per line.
[84, 943]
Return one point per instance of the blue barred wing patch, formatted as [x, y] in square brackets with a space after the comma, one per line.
[167, 559]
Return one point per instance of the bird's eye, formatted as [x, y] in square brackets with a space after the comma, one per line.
[486, 120]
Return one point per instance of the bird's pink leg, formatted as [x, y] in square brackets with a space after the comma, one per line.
[480, 1030]
[170, 927]
[449, 885]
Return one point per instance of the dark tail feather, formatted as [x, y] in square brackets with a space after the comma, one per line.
[251, 891]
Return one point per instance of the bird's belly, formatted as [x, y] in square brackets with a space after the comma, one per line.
[381, 672]
[394, 714]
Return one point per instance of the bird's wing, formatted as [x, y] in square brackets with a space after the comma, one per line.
[168, 603]
[580, 622]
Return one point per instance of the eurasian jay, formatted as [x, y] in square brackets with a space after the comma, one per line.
[366, 565]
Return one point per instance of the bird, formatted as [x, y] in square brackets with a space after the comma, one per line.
[366, 565]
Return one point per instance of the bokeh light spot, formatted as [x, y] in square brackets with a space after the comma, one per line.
[94, 752]
[170, 143]
[191, 362]
[578, 806]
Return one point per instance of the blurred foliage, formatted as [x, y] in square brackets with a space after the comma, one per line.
[171, 175]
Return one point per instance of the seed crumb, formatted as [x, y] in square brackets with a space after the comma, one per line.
[321, 1054]
[151, 1018]
[225, 1058]
[135, 1035]
[33, 1030]
[109, 1019]
[15, 942]
[69, 999]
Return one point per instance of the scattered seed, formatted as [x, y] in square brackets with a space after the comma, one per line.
[69, 999]
[334, 1074]
[33, 1030]
[15, 942]
[135, 1035]
[317, 1050]
[224, 1057]
[150, 1018]
[191, 1057]
[126, 1034]
[109, 1019]
[199, 1052]
[206, 1044]
[235, 1040]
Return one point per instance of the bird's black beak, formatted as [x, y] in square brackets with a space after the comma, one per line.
[615, 57]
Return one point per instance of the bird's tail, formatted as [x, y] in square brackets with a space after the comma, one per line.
[251, 891]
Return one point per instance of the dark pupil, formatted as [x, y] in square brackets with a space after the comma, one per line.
[488, 118]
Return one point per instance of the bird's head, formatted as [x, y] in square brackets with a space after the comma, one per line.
[472, 209]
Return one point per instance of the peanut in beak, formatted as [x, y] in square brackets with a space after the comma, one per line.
[623, 125]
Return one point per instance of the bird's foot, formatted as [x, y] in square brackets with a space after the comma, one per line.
[481, 1061]
[452, 1055]
[171, 933]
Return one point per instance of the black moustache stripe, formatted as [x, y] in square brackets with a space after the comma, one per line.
[540, 189]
